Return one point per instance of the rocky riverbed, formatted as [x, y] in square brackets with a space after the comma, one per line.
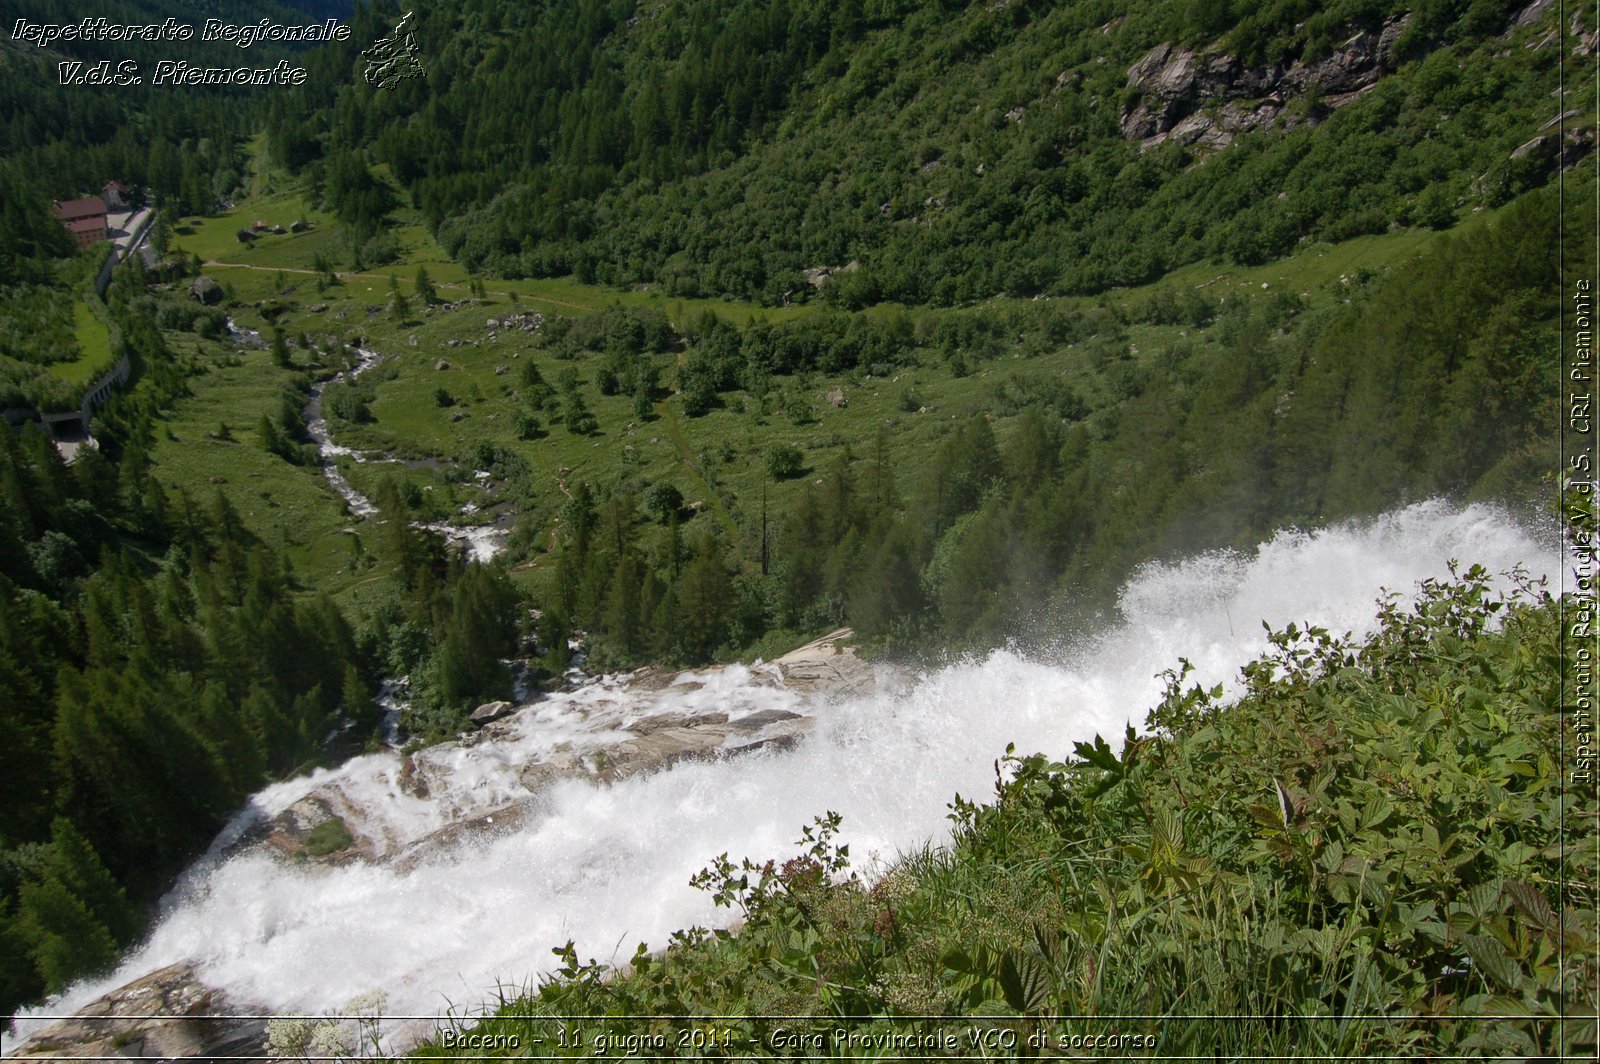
[401, 811]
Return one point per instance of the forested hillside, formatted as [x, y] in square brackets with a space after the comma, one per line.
[952, 151]
[159, 661]
[738, 321]
[1033, 503]
[182, 146]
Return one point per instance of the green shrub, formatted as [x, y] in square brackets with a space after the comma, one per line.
[330, 836]
[785, 461]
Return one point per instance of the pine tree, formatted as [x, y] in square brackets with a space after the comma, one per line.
[704, 595]
[358, 702]
[64, 939]
[72, 860]
[424, 287]
[399, 307]
[271, 437]
[280, 350]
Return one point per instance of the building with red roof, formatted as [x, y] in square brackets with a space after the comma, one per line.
[85, 219]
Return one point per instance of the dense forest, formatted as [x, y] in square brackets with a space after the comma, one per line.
[951, 151]
[182, 148]
[159, 662]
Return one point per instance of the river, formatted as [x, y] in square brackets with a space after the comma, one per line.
[609, 865]
[481, 542]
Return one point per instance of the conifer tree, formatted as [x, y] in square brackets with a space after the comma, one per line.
[424, 287]
[280, 350]
[63, 937]
[399, 306]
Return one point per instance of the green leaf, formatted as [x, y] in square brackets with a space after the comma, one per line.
[1376, 812]
[1481, 899]
[1531, 903]
[1025, 982]
[994, 1007]
[1099, 755]
[1489, 957]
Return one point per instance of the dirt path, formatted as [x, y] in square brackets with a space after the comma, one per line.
[218, 264]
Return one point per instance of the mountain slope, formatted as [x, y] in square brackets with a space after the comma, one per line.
[955, 151]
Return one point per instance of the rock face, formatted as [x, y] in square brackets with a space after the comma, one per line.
[206, 290]
[826, 667]
[817, 276]
[1208, 98]
[120, 1024]
[1552, 150]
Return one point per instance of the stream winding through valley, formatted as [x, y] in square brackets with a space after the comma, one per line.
[480, 542]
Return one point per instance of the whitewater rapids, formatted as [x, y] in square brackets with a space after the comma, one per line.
[609, 866]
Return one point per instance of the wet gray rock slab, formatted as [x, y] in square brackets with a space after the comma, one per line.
[644, 722]
[166, 1015]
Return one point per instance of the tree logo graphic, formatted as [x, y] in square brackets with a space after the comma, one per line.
[393, 58]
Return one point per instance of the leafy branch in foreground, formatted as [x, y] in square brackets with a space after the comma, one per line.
[1370, 852]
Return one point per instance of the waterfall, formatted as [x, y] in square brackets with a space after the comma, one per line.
[609, 865]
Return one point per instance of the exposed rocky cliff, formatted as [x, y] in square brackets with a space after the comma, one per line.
[1209, 97]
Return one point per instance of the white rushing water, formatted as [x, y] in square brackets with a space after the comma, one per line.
[480, 542]
[609, 866]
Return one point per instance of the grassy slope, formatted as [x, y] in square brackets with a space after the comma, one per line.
[1243, 880]
[94, 348]
[289, 506]
[717, 459]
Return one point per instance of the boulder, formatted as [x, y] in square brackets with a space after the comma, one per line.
[490, 712]
[291, 831]
[1531, 14]
[1588, 40]
[206, 290]
[836, 397]
[1544, 148]
[166, 1015]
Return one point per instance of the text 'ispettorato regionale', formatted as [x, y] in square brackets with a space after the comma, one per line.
[177, 72]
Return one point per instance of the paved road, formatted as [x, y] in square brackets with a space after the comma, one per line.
[129, 229]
